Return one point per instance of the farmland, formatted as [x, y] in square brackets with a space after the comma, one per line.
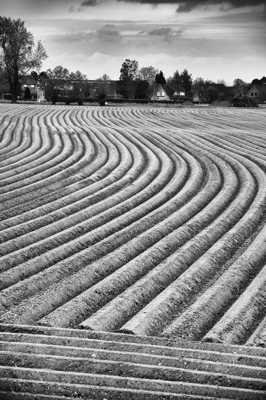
[142, 220]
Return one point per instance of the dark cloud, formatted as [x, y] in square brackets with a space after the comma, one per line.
[89, 3]
[185, 5]
[188, 5]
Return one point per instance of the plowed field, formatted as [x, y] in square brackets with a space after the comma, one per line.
[134, 219]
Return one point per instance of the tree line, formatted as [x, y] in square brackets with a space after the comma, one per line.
[21, 55]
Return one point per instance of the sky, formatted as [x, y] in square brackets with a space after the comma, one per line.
[212, 39]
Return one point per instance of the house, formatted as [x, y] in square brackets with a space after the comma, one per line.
[257, 90]
[90, 90]
[159, 93]
[28, 88]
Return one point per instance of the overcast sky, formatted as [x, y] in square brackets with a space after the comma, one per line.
[212, 39]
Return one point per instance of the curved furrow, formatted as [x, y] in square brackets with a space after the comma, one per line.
[18, 155]
[122, 253]
[201, 315]
[7, 140]
[251, 219]
[245, 137]
[229, 144]
[77, 185]
[104, 171]
[54, 184]
[250, 306]
[138, 168]
[30, 165]
[100, 165]
[152, 284]
[37, 134]
[160, 253]
[64, 213]
[258, 337]
[46, 182]
[18, 142]
[52, 149]
[241, 149]
[7, 125]
[156, 315]
[78, 224]
[148, 220]
[23, 142]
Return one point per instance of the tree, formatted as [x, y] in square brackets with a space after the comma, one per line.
[39, 78]
[160, 79]
[208, 91]
[199, 87]
[105, 77]
[148, 74]
[173, 84]
[142, 90]
[58, 72]
[77, 76]
[128, 71]
[239, 82]
[35, 75]
[19, 53]
[240, 87]
[186, 82]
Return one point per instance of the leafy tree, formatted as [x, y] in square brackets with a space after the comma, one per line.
[148, 74]
[59, 72]
[239, 82]
[19, 53]
[105, 77]
[77, 76]
[43, 76]
[39, 78]
[199, 87]
[212, 93]
[142, 90]
[35, 75]
[160, 79]
[208, 91]
[240, 87]
[186, 82]
[128, 71]
[180, 82]
[173, 84]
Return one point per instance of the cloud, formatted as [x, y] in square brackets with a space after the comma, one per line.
[165, 33]
[161, 32]
[188, 5]
[89, 3]
[108, 32]
[184, 5]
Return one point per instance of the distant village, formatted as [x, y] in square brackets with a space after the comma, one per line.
[50, 86]
[21, 80]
